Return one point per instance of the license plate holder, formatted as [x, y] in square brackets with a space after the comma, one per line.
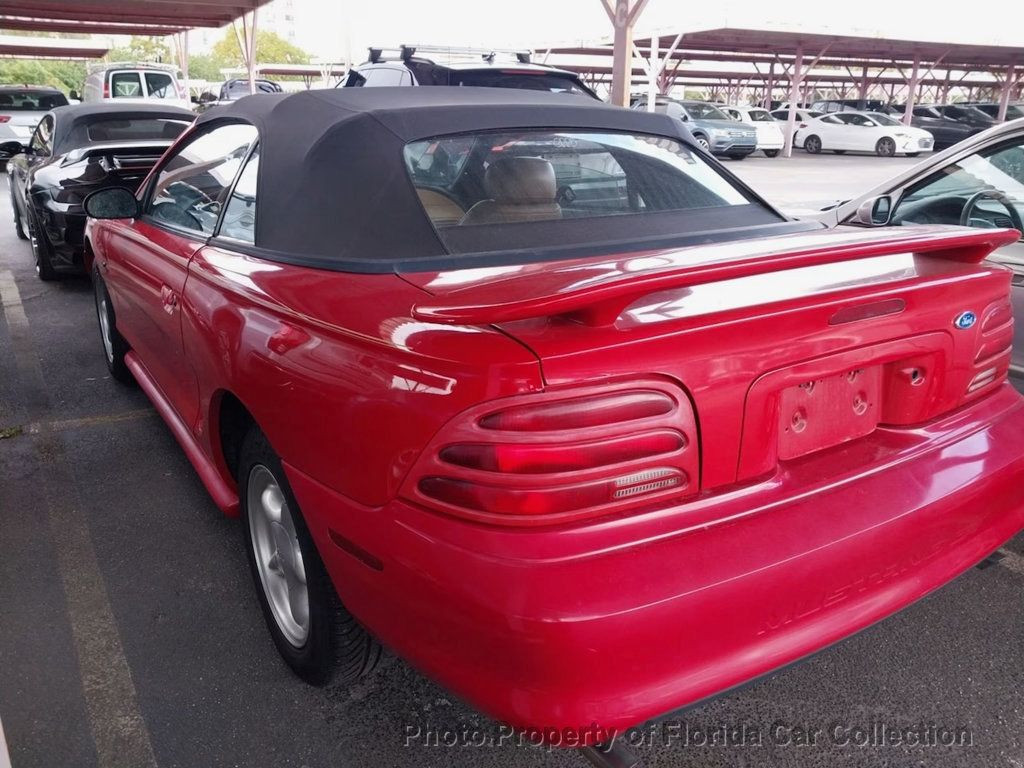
[825, 412]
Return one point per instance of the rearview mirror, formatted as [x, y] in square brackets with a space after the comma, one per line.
[874, 212]
[11, 148]
[112, 203]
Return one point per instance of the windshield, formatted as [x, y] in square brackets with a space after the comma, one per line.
[700, 111]
[31, 101]
[530, 80]
[881, 119]
[538, 177]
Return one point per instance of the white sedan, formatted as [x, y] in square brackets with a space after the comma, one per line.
[840, 132]
[769, 136]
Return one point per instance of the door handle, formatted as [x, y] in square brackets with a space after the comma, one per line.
[169, 299]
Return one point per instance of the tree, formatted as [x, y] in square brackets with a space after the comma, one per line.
[206, 66]
[65, 75]
[142, 49]
[270, 49]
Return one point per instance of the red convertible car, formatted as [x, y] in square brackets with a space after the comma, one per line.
[536, 393]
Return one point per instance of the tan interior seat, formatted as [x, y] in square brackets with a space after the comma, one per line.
[441, 209]
[520, 189]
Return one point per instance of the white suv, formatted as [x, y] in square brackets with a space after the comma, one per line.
[128, 82]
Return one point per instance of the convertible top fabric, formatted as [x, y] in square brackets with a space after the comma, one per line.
[71, 122]
[332, 180]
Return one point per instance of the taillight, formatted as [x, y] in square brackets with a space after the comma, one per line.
[5, 118]
[106, 89]
[993, 348]
[548, 458]
[580, 413]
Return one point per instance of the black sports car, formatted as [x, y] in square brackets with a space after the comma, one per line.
[74, 151]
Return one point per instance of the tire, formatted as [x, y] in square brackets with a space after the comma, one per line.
[812, 145]
[19, 229]
[839, 151]
[702, 142]
[771, 153]
[885, 147]
[114, 345]
[40, 249]
[314, 633]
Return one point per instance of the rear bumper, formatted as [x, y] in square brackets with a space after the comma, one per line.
[623, 620]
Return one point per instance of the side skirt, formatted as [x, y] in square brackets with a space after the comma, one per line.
[224, 496]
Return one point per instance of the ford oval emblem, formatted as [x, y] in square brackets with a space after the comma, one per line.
[965, 320]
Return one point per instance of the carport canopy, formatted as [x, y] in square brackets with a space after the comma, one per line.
[794, 53]
[158, 18]
[50, 48]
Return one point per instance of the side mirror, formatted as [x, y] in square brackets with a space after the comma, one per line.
[11, 148]
[874, 212]
[112, 203]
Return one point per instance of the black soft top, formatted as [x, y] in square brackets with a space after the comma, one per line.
[71, 123]
[333, 187]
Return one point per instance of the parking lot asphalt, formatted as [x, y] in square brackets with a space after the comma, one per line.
[130, 634]
[812, 181]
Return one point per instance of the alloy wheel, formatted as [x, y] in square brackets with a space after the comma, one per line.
[277, 554]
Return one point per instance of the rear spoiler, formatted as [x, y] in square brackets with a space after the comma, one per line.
[599, 302]
[115, 148]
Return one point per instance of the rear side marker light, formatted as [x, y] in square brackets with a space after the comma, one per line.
[592, 411]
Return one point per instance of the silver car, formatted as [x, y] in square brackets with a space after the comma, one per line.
[21, 109]
[977, 183]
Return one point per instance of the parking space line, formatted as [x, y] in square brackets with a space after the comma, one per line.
[118, 729]
[90, 421]
[5, 755]
[1012, 561]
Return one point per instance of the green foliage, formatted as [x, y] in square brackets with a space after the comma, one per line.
[57, 74]
[270, 49]
[205, 67]
[143, 49]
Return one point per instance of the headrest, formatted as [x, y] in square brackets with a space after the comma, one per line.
[520, 181]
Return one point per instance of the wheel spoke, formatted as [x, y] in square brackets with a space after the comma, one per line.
[278, 555]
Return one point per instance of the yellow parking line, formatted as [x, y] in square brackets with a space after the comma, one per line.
[5, 755]
[119, 731]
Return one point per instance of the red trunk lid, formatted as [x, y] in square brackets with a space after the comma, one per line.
[786, 346]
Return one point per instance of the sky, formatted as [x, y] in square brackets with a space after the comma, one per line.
[327, 27]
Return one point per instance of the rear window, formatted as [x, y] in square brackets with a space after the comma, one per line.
[556, 188]
[135, 130]
[31, 101]
[125, 85]
[160, 85]
[521, 79]
[760, 116]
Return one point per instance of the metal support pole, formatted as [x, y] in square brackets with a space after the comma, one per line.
[1004, 96]
[862, 93]
[653, 73]
[769, 86]
[181, 44]
[252, 51]
[794, 96]
[944, 92]
[623, 18]
[908, 113]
